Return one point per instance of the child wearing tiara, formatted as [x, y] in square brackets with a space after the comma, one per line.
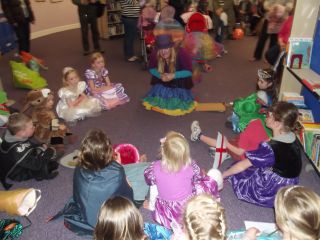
[274, 164]
[255, 105]
[177, 178]
[74, 104]
[100, 87]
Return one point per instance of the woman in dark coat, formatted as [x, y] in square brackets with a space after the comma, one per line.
[19, 14]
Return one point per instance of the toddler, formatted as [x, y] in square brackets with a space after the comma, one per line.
[21, 159]
[203, 218]
[119, 219]
[100, 87]
[177, 178]
[74, 104]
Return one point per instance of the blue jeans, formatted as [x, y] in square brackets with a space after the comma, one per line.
[130, 32]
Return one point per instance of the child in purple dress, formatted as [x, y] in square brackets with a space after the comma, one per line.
[99, 85]
[275, 164]
[177, 179]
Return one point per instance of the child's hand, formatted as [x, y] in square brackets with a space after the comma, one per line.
[251, 233]
[117, 157]
[62, 127]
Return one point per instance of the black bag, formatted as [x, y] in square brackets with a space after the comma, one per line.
[100, 9]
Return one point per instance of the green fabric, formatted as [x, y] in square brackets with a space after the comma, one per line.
[23, 77]
[247, 109]
[3, 97]
[170, 103]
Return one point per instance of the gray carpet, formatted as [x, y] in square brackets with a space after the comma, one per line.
[233, 76]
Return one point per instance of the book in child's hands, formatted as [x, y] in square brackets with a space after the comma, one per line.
[299, 53]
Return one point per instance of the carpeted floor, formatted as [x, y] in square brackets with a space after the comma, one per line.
[233, 76]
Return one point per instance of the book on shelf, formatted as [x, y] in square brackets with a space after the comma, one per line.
[295, 98]
[299, 53]
[305, 115]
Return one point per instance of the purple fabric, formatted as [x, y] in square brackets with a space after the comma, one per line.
[259, 184]
[117, 92]
[175, 189]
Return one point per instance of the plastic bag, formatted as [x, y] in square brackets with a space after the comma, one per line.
[238, 235]
[23, 77]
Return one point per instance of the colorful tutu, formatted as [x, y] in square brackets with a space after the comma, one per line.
[170, 101]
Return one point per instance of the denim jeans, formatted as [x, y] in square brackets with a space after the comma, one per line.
[130, 32]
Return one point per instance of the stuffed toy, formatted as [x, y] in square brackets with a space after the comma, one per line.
[47, 127]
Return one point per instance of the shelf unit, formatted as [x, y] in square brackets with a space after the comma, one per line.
[304, 23]
[110, 23]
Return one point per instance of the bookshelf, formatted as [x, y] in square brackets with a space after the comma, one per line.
[294, 80]
[110, 23]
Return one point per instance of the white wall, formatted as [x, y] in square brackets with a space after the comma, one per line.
[53, 17]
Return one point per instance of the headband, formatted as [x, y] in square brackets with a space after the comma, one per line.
[262, 74]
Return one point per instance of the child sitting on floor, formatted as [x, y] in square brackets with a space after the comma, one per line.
[21, 159]
[274, 164]
[177, 178]
[119, 219]
[254, 106]
[74, 104]
[100, 87]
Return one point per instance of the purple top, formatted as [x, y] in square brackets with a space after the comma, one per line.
[172, 186]
[97, 78]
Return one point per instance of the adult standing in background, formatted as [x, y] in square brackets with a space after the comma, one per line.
[19, 14]
[87, 10]
[264, 34]
[180, 7]
[129, 16]
[227, 6]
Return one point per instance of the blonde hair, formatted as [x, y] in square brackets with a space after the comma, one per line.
[172, 61]
[119, 219]
[65, 74]
[175, 152]
[94, 56]
[17, 122]
[204, 218]
[96, 151]
[297, 210]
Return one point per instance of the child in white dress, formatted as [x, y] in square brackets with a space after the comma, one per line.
[100, 87]
[74, 104]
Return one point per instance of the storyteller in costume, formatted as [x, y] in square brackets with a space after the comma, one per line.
[171, 70]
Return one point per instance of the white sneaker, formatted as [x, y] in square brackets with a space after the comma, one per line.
[195, 131]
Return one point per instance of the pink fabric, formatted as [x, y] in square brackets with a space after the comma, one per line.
[173, 186]
[252, 136]
[174, 189]
[285, 30]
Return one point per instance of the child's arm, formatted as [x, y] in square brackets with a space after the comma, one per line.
[237, 168]
[107, 80]
[95, 89]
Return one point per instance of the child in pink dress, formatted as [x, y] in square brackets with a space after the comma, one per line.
[99, 85]
[177, 179]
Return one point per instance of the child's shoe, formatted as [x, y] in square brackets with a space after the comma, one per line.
[195, 131]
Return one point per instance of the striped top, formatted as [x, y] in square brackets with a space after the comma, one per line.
[130, 8]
